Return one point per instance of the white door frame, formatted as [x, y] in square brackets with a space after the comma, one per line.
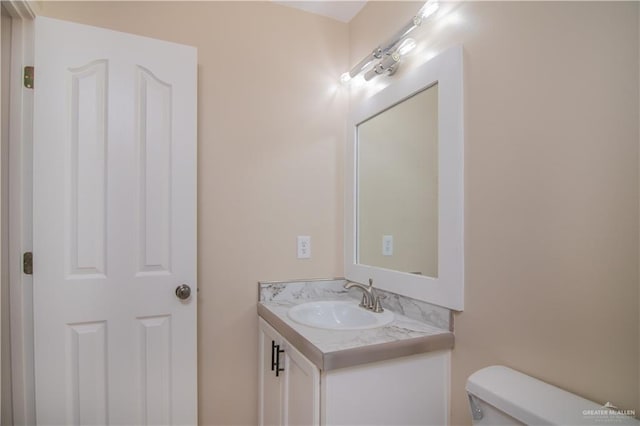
[20, 212]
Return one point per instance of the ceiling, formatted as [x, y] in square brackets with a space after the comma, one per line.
[340, 10]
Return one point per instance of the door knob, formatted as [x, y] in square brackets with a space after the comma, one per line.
[183, 292]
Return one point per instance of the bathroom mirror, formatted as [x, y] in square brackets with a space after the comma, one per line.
[397, 186]
[404, 197]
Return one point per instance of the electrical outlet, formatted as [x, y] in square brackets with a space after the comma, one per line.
[387, 245]
[304, 247]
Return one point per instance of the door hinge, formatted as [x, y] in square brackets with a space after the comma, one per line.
[27, 263]
[28, 77]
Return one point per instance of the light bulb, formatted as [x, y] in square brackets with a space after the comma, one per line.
[357, 81]
[345, 78]
[406, 46]
[429, 9]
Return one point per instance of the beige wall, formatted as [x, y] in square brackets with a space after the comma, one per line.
[270, 139]
[551, 163]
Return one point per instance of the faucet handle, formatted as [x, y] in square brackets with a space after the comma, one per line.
[370, 282]
[378, 306]
[365, 302]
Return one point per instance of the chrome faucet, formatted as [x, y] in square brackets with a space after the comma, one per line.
[370, 300]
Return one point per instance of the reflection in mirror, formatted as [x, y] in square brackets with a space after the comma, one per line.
[397, 186]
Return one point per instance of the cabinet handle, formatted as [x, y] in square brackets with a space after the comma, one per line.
[273, 355]
[275, 358]
[278, 369]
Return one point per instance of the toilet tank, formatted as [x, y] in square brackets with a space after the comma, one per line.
[499, 395]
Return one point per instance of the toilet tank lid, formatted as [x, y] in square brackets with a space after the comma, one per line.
[535, 402]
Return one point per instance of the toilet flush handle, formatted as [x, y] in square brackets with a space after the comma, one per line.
[476, 410]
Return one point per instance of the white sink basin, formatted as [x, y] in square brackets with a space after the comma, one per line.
[338, 315]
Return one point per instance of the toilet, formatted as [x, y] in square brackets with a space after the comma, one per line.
[499, 395]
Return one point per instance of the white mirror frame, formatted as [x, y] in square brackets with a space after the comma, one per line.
[448, 288]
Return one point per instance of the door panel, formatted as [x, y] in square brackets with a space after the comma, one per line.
[155, 368]
[114, 227]
[154, 141]
[87, 363]
[87, 221]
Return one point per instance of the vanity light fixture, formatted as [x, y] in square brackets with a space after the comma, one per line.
[389, 65]
[388, 54]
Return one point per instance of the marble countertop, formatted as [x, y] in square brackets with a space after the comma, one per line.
[333, 349]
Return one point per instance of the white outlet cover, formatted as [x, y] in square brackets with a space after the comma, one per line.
[304, 247]
[387, 245]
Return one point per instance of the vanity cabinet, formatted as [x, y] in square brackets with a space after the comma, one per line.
[410, 390]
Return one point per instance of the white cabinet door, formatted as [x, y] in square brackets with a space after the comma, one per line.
[270, 393]
[301, 389]
[289, 383]
[114, 227]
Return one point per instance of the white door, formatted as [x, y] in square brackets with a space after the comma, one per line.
[114, 227]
